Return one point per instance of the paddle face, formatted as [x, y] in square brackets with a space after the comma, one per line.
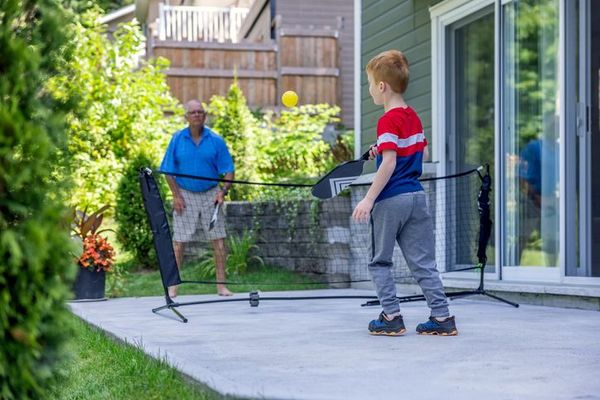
[339, 178]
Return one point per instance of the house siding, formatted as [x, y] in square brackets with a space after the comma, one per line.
[403, 25]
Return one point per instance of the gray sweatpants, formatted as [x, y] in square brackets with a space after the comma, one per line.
[405, 219]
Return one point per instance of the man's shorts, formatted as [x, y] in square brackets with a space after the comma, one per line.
[199, 208]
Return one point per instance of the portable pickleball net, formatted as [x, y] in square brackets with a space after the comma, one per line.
[301, 233]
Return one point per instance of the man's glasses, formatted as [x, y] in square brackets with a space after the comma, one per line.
[196, 112]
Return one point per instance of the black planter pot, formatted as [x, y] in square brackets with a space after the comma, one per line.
[89, 284]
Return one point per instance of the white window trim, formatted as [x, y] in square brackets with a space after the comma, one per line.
[357, 77]
[442, 15]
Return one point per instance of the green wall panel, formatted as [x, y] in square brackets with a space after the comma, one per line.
[403, 25]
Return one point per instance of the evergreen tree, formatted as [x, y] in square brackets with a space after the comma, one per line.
[35, 248]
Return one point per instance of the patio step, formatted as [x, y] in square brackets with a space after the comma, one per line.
[584, 297]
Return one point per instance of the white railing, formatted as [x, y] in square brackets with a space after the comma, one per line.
[205, 24]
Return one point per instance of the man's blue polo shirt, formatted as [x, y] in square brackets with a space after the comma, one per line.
[210, 158]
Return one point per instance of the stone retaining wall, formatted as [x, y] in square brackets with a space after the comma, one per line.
[313, 237]
[307, 236]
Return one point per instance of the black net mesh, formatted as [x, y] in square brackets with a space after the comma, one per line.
[285, 227]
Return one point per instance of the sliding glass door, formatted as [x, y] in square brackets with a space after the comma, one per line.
[530, 135]
[470, 118]
[515, 84]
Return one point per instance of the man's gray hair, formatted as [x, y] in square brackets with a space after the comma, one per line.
[189, 103]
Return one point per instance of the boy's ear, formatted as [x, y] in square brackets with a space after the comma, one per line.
[381, 86]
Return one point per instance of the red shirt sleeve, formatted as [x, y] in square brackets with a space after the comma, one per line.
[387, 134]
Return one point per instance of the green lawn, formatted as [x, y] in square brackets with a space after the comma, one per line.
[102, 368]
[148, 283]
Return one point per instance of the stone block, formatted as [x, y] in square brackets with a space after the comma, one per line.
[336, 234]
[314, 265]
[283, 262]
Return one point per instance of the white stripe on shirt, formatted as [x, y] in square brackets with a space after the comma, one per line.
[400, 143]
[387, 138]
[411, 140]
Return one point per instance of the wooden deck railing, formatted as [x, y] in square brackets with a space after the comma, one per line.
[194, 24]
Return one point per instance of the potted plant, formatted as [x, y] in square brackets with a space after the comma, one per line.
[97, 256]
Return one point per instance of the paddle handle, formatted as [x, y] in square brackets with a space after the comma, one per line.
[365, 156]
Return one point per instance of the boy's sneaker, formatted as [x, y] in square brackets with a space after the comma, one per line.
[382, 326]
[446, 327]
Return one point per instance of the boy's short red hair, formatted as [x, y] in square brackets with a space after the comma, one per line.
[391, 67]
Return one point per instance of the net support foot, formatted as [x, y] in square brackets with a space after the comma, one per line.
[457, 295]
[254, 299]
[171, 307]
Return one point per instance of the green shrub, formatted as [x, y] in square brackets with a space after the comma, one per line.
[231, 118]
[133, 230]
[36, 253]
[121, 106]
[294, 148]
[239, 256]
[276, 148]
[240, 253]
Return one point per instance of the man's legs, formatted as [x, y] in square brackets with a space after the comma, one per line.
[220, 259]
[178, 248]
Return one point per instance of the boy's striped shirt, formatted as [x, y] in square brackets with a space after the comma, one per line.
[400, 129]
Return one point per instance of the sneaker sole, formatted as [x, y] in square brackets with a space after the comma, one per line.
[383, 333]
[433, 333]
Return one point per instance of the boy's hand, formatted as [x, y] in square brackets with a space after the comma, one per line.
[363, 210]
[373, 152]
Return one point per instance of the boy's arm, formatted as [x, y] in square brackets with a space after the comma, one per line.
[382, 177]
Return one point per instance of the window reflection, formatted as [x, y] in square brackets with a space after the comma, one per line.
[471, 118]
[531, 132]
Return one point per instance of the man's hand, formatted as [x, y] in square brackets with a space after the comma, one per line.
[363, 210]
[220, 197]
[178, 204]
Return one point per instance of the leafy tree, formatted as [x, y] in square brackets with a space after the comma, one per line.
[35, 248]
[122, 104]
[274, 148]
[80, 6]
[233, 120]
[535, 52]
[134, 232]
[294, 148]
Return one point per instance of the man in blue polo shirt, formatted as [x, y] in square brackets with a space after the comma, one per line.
[198, 151]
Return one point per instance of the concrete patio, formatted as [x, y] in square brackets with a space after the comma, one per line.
[320, 349]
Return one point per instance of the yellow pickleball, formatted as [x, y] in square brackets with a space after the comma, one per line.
[289, 98]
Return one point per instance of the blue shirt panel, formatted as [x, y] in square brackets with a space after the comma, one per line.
[210, 158]
[405, 178]
[538, 165]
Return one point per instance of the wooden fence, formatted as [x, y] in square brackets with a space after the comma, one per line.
[306, 61]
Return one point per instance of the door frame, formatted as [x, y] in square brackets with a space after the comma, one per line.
[442, 16]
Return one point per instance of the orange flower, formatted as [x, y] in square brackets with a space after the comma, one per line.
[97, 254]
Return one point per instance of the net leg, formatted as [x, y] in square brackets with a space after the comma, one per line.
[500, 299]
[172, 308]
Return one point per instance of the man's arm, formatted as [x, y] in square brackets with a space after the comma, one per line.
[225, 189]
[178, 202]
